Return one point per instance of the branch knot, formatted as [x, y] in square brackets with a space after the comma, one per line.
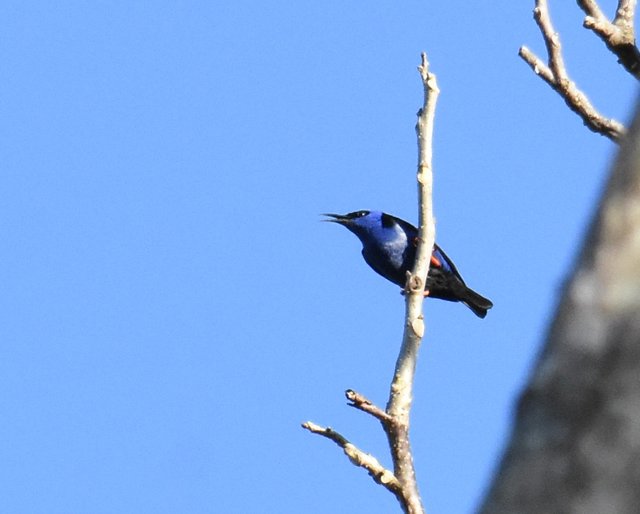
[414, 284]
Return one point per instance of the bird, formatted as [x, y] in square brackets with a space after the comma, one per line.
[389, 248]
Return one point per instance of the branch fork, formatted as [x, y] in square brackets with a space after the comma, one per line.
[618, 35]
[555, 74]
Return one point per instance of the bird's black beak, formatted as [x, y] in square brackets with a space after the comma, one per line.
[337, 218]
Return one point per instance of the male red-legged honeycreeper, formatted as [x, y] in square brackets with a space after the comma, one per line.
[389, 247]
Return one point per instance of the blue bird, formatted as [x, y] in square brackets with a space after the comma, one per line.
[389, 247]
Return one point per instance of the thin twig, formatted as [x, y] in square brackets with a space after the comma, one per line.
[377, 471]
[591, 8]
[619, 35]
[555, 74]
[362, 403]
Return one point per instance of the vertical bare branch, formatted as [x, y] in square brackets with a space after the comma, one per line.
[401, 393]
[619, 35]
[395, 419]
[555, 74]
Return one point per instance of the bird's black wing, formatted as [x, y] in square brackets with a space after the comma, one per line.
[448, 263]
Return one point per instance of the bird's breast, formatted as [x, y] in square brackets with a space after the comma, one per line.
[394, 253]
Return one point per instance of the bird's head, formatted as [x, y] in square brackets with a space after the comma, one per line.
[364, 224]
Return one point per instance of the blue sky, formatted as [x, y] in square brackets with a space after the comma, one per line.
[172, 308]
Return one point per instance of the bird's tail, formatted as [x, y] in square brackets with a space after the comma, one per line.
[476, 302]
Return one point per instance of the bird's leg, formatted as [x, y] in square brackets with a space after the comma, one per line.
[426, 292]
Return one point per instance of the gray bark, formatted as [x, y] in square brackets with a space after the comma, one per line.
[575, 447]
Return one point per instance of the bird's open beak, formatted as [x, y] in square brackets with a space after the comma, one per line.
[337, 218]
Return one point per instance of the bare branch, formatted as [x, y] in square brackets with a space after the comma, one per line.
[401, 391]
[625, 12]
[555, 74]
[619, 35]
[551, 41]
[395, 420]
[362, 403]
[538, 67]
[377, 471]
[591, 8]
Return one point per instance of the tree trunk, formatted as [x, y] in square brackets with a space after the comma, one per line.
[575, 447]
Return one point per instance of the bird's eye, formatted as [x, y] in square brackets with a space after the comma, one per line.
[356, 214]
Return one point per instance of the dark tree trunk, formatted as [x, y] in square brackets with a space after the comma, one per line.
[575, 447]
